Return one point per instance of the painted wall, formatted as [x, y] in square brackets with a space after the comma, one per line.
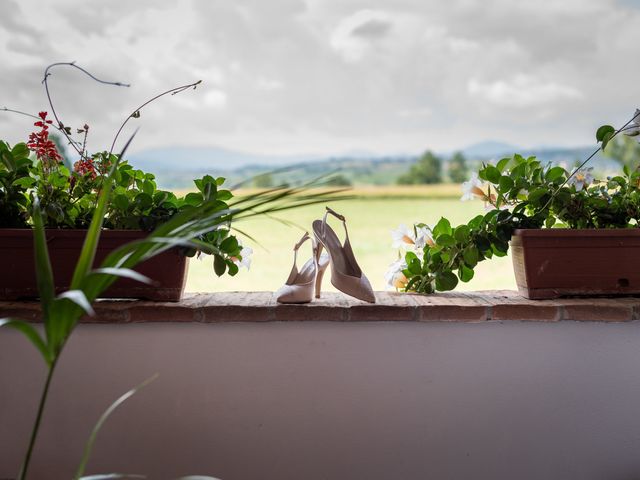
[322, 400]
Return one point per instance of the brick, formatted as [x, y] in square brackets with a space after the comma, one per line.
[389, 307]
[599, 309]
[330, 307]
[238, 307]
[450, 307]
[515, 307]
[261, 306]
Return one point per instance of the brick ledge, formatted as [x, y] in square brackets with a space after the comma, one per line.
[468, 307]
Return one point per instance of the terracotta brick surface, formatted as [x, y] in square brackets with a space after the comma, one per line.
[498, 305]
[600, 309]
[450, 307]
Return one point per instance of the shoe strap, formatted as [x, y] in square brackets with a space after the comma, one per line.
[339, 217]
[304, 238]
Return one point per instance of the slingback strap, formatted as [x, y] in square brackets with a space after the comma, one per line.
[304, 238]
[339, 217]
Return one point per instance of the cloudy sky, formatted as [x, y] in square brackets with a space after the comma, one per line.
[327, 76]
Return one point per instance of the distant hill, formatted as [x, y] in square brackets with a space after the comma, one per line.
[176, 167]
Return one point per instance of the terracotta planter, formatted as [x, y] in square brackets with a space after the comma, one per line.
[551, 263]
[17, 269]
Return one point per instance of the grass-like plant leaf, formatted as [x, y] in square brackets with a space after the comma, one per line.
[112, 476]
[31, 333]
[103, 418]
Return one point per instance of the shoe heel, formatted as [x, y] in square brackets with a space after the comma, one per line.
[319, 281]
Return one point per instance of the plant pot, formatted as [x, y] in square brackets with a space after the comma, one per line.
[18, 276]
[551, 263]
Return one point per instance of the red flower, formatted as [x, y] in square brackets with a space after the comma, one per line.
[85, 166]
[40, 143]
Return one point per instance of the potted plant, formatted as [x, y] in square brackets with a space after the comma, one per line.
[69, 193]
[569, 233]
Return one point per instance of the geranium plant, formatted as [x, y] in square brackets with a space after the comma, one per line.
[520, 193]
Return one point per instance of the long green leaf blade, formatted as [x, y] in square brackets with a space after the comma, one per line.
[31, 333]
[103, 418]
[88, 252]
[44, 274]
[112, 476]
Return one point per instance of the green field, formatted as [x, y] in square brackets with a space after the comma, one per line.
[370, 218]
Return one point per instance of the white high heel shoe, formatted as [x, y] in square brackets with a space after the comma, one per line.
[346, 274]
[301, 284]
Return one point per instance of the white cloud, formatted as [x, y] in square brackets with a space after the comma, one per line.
[355, 34]
[215, 98]
[522, 91]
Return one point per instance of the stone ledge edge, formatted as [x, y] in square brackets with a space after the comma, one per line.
[462, 307]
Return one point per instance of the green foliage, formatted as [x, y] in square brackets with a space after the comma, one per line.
[625, 151]
[522, 193]
[263, 181]
[338, 180]
[69, 199]
[426, 170]
[458, 170]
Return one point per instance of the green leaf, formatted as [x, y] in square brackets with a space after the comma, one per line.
[445, 240]
[229, 244]
[31, 333]
[79, 298]
[24, 182]
[554, 173]
[465, 273]
[193, 199]
[219, 265]
[123, 272]
[112, 476]
[505, 184]
[603, 131]
[20, 150]
[502, 164]
[442, 227]
[492, 174]
[88, 252]
[446, 281]
[121, 202]
[471, 255]
[461, 233]
[44, 274]
[607, 137]
[103, 418]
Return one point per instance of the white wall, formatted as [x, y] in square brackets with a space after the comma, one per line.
[322, 400]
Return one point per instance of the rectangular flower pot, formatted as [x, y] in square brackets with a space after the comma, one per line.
[18, 276]
[551, 263]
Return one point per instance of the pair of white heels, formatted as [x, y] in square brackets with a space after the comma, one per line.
[346, 274]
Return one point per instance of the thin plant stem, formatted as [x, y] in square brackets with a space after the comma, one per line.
[579, 167]
[136, 112]
[36, 427]
[45, 80]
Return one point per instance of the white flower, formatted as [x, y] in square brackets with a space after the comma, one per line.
[424, 237]
[633, 129]
[473, 188]
[402, 237]
[245, 256]
[581, 179]
[394, 276]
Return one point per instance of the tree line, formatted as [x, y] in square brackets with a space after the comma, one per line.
[429, 169]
